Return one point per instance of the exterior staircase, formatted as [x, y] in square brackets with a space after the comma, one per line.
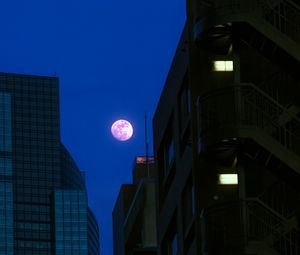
[245, 111]
[267, 228]
[263, 231]
[273, 26]
[269, 134]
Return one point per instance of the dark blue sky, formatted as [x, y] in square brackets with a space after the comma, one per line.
[112, 58]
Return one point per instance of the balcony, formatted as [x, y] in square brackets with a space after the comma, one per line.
[244, 111]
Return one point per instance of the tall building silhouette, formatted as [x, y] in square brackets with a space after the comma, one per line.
[44, 206]
[227, 132]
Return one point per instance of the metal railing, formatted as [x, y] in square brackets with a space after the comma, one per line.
[241, 222]
[275, 84]
[268, 115]
[281, 198]
[284, 15]
[289, 245]
[266, 225]
[262, 220]
[246, 106]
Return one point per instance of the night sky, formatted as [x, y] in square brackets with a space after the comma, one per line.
[112, 59]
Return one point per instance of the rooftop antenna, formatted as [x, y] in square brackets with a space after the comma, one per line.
[146, 145]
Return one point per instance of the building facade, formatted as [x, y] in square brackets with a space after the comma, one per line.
[173, 151]
[43, 198]
[134, 214]
[227, 132]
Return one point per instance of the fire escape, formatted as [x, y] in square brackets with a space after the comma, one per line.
[258, 123]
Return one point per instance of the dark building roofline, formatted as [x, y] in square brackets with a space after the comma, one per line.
[30, 76]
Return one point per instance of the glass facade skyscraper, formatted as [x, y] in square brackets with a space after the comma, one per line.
[43, 199]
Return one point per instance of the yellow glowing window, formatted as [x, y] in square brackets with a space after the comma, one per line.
[226, 66]
[228, 179]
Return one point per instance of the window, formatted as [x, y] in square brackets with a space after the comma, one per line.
[188, 205]
[173, 245]
[193, 199]
[184, 103]
[167, 151]
[5, 166]
[5, 122]
[223, 66]
[166, 162]
[6, 217]
[228, 179]
[70, 220]
[170, 152]
[169, 244]
[168, 156]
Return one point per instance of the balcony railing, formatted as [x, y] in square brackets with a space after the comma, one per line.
[246, 107]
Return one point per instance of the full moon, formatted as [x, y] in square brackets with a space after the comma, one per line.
[122, 130]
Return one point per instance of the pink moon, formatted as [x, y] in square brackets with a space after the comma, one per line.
[122, 130]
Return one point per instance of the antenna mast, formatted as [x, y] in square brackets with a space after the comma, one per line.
[146, 145]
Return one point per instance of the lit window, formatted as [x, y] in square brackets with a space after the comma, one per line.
[226, 66]
[228, 179]
[141, 160]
